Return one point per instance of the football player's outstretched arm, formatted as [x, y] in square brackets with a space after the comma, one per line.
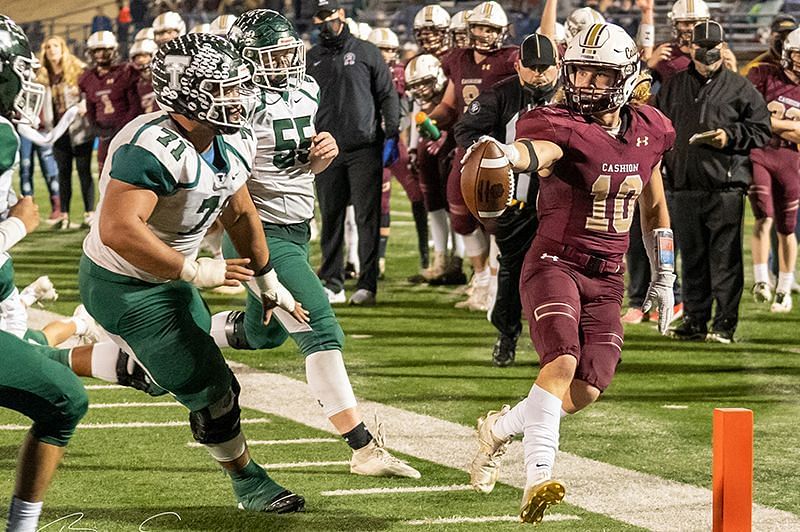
[123, 228]
[653, 203]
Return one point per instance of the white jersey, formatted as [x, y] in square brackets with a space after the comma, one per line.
[149, 152]
[282, 184]
[9, 162]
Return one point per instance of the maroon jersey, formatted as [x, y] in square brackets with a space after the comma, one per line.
[677, 62]
[111, 99]
[781, 94]
[470, 78]
[147, 98]
[587, 203]
[399, 78]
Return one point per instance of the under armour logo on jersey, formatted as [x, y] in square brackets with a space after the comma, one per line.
[486, 66]
[551, 257]
[642, 141]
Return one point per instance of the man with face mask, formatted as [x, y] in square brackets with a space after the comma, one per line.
[495, 112]
[718, 117]
[361, 109]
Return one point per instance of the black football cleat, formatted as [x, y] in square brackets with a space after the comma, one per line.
[689, 330]
[505, 349]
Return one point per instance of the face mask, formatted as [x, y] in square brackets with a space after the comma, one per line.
[539, 93]
[708, 57]
[777, 46]
[327, 32]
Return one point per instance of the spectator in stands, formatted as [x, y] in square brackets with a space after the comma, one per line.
[59, 74]
[718, 117]
[356, 95]
[47, 162]
[139, 14]
[123, 26]
[101, 22]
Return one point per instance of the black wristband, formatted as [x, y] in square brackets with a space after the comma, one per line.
[533, 166]
[265, 270]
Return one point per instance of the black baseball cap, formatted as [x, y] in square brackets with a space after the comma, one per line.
[537, 50]
[783, 23]
[326, 8]
[707, 34]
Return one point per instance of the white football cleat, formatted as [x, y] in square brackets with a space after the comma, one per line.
[538, 497]
[478, 300]
[335, 298]
[762, 293]
[93, 331]
[373, 460]
[782, 303]
[41, 289]
[484, 468]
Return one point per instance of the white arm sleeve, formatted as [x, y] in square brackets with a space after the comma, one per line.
[47, 139]
[14, 315]
[11, 232]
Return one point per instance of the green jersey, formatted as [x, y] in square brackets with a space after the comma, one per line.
[282, 184]
[150, 153]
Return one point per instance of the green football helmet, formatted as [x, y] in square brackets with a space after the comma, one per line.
[272, 48]
[20, 96]
[202, 77]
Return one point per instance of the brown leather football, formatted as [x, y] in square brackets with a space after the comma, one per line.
[486, 182]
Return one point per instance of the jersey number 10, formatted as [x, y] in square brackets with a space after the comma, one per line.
[621, 204]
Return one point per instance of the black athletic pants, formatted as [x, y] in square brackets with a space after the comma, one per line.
[354, 177]
[708, 230]
[65, 153]
[515, 231]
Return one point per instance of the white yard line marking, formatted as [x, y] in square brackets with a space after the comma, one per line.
[105, 387]
[297, 441]
[487, 519]
[133, 425]
[301, 465]
[134, 405]
[630, 496]
[675, 407]
[387, 491]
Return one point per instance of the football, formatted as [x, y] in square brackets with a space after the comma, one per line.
[486, 181]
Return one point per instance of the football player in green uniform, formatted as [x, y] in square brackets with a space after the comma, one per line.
[30, 382]
[172, 173]
[289, 154]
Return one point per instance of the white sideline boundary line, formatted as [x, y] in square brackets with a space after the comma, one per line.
[134, 405]
[389, 491]
[455, 520]
[296, 441]
[133, 425]
[301, 465]
[629, 496]
[104, 386]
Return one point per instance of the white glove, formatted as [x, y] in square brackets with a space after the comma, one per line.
[204, 272]
[273, 293]
[511, 152]
[660, 295]
[659, 245]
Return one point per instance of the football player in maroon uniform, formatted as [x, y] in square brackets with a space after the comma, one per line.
[388, 43]
[775, 192]
[471, 70]
[595, 155]
[431, 30]
[142, 53]
[110, 88]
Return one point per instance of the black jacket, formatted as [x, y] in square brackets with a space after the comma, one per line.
[495, 111]
[696, 104]
[356, 93]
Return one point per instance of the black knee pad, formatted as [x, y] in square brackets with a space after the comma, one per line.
[219, 422]
[137, 378]
[234, 330]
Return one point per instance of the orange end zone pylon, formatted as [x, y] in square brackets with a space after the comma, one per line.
[732, 471]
